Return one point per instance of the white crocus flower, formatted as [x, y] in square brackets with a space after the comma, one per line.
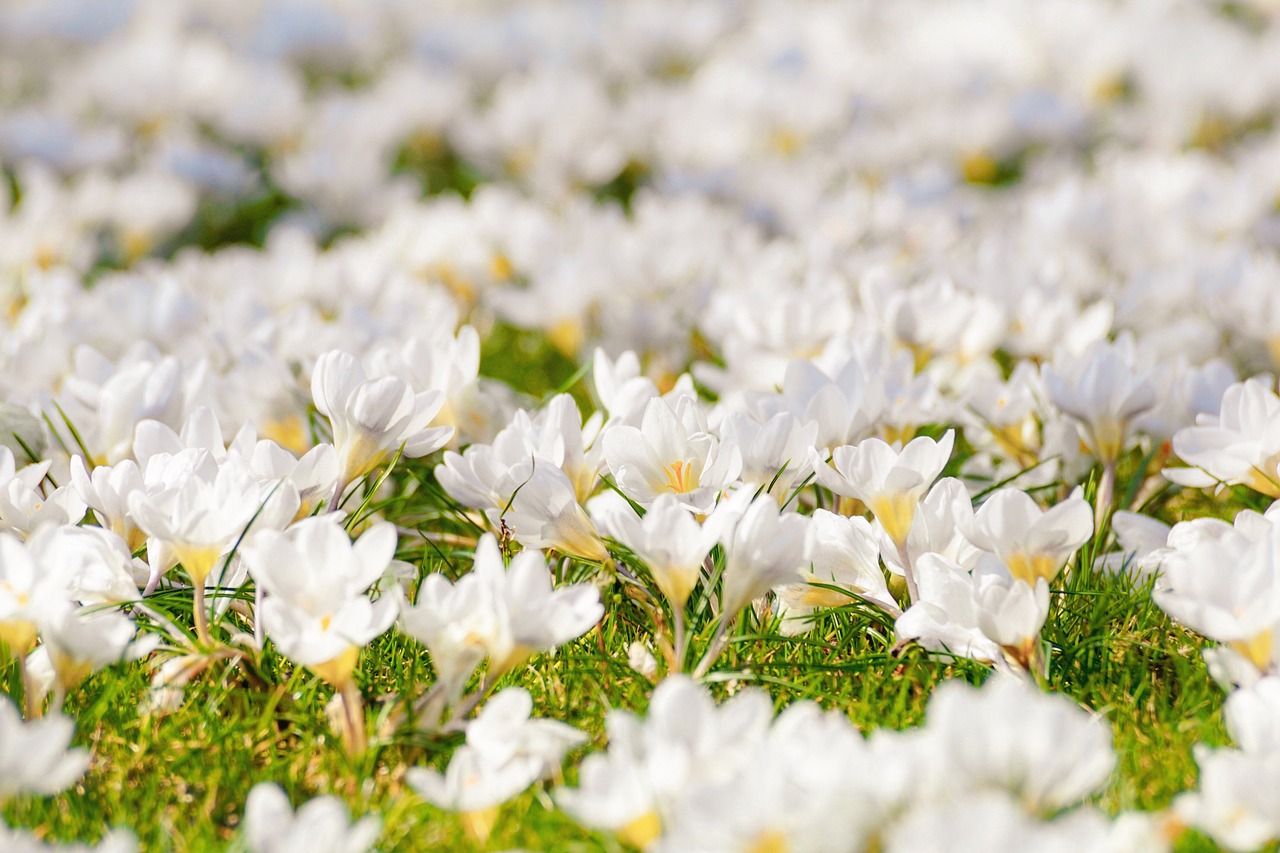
[1227, 588]
[35, 756]
[530, 616]
[670, 542]
[106, 491]
[506, 751]
[1105, 392]
[889, 481]
[843, 553]
[80, 643]
[202, 517]
[544, 512]
[1235, 802]
[946, 618]
[28, 595]
[94, 565]
[764, 548]
[1032, 542]
[373, 418]
[1011, 612]
[25, 505]
[315, 579]
[505, 613]
[1241, 444]
[671, 452]
[321, 825]
[1043, 749]
[775, 453]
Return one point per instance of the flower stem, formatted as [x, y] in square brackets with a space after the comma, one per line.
[1106, 488]
[908, 574]
[353, 734]
[468, 704]
[718, 644]
[338, 488]
[677, 623]
[201, 616]
[30, 706]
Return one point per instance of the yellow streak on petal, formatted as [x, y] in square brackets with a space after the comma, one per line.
[567, 336]
[1028, 567]
[1257, 649]
[289, 432]
[770, 841]
[337, 671]
[479, 824]
[198, 560]
[19, 635]
[642, 831]
[895, 514]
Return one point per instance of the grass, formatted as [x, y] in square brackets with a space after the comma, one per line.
[179, 780]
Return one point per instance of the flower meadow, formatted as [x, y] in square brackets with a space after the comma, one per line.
[717, 427]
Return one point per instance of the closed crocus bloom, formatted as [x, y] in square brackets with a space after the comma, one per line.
[1032, 542]
[1105, 392]
[889, 481]
[775, 454]
[766, 547]
[373, 418]
[670, 541]
[106, 491]
[529, 615]
[946, 617]
[28, 594]
[321, 825]
[80, 642]
[315, 579]
[35, 756]
[1011, 612]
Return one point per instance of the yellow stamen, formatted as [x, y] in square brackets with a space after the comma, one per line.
[682, 477]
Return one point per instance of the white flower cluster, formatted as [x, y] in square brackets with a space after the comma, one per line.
[1001, 768]
[901, 308]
